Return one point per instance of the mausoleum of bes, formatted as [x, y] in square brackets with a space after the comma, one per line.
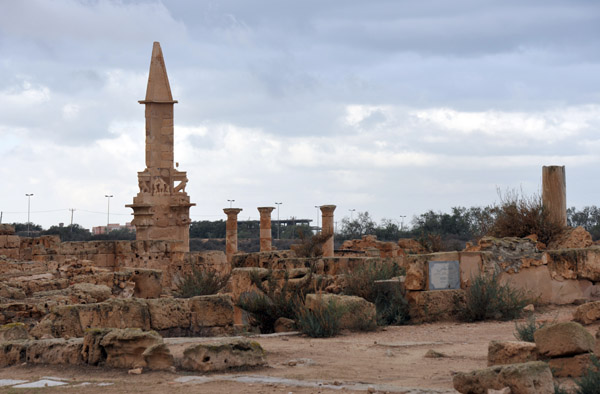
[77, 302]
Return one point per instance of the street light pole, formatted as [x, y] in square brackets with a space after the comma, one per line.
[231, 203]
[318, 211]
[278, 222]
[28, 211]
[108, 197]
[402, 222]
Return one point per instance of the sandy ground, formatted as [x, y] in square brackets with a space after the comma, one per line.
[389, 360]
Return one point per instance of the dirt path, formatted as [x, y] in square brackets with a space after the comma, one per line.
[393, 359]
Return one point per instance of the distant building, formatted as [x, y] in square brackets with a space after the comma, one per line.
[112, 226]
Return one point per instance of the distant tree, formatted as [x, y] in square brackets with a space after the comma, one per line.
[23, 227]
[207, 229]
[69, 233]
[121, 234]
[356, 228]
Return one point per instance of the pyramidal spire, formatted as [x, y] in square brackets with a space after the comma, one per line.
[158, 89]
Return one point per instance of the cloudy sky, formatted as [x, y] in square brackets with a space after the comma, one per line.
[390, 107]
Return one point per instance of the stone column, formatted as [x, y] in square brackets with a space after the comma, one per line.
[554, 193]
[265, 228]
[231, 232]
[327, 228]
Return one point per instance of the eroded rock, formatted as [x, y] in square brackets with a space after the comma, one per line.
[563, 339]
[511, 352]
[223, 355]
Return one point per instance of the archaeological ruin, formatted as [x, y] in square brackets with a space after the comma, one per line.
[117, 303]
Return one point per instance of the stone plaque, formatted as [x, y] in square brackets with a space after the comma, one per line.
[444, 275]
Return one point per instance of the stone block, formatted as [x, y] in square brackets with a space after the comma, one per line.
[158, 357]
[470, 267]
[587, 313]
[169, 313]
[125, 347]
[223, 355]
[12, 353]
[55, 351]
[532, 377]
[588, 263]
[241, 280]
[357, 313]
[210, 311]
[13, 332]
[147, 282]
[6, 229]
[563, 339]
[570, 367]
[11, 253]
[511, 352]
[416, 276]
[436, 305]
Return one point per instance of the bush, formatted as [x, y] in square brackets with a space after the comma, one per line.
[526, 330]
[391, 306]
[202, 281]
[271, 302]
[310, 246]
[321, 322]
[590, 382]
[519, 216]
[487, 298]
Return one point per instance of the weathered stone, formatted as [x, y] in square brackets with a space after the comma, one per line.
[147, 282]
[511, 352]
[55, 351]
[284, 324]
[411, 246]
[158, 357]
[13, 332]
[572, 238]
[386, 249]
[327, 228]
[13, 353]
[588, 263]
[241, 280]
[524, 378]
[6, 229]
[563, 339]
[533, 377]
[115, 313]
[416, 278]
[571, 367]
[169, 313]
[89, 293]
[435, 305]
[357, 313]
[125, 347]
[478, 381]
[223, 355]
[91, 352]
[12, 293]
[211, 311]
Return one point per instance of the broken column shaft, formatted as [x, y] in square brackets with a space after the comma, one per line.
[554, 193]
[265, 228]
[231, 232]
[327, 228]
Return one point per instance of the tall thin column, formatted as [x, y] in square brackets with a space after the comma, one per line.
[327, 228]
[265, 228]
[231, 232]
[554, 193]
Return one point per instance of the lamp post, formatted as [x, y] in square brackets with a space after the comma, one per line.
[28, 211]
[231, 203]
[108, 197]
[278, 222]
[318, 213]
[351, 212]
[402, 222]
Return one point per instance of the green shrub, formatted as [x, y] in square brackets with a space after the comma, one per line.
[487, 299]
[392, 308]
[590, 382]
[201, 281]
[321, 322]
[520, 216]
[526, 329]
[271, 302]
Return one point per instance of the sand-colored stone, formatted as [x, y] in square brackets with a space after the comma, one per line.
[327, 228]
[125, 347]
[231, 232]
[435, 305]
[532, 377]
[386, 249]
[265, 228]
[554, 193]
[511, 352]
[572, 238]
[223, 355]
[161, 208]
[356, 312]
[587, 313]
[571, 367]
[563, 339]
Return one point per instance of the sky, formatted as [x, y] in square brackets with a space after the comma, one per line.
[391, 107]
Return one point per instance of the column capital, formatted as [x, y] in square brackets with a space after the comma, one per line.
[232, 211]
[265, 210]
[327, 209]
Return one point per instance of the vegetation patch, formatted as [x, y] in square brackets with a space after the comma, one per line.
[201, 281]
[524, 331]
[323, 321]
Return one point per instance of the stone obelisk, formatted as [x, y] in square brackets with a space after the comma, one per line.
[161, 209]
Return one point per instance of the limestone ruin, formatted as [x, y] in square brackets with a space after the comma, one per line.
[161, 209]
